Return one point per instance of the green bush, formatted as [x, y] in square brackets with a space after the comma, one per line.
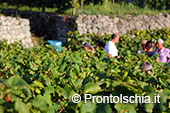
[61, 5]
[159, 4]
[43, 80]
[146, 7]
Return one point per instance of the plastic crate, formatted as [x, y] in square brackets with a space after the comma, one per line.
[56, 44]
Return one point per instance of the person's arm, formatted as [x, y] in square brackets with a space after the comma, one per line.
[168, 55]
[156, 56]
[110, 56]
[157, 59]
[118, 56]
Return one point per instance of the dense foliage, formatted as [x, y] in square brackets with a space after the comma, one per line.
[63, 5]
[160, 4]
[40, 79]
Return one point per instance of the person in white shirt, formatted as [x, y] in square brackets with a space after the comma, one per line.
[110, 47]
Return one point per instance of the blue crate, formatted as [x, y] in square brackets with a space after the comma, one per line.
[55, 44]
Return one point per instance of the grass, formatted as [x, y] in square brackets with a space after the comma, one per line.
[104, 9]
[37, 40]
[27, 8]
[117, 9]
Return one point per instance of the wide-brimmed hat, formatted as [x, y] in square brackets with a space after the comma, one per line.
[146, 66]
[87, 44]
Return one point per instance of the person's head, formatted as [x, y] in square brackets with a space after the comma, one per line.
[149, 46]
[115, 38]
[87, 46]
[159, 44]
[143, 44]
[99, 44]
[146, 66]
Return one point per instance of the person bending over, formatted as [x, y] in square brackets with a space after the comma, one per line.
[146, 67]
[143, 45]
[99, 44]
[88, 47]
[150, 52]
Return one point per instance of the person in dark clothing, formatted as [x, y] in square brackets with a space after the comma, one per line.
[99, 44]
[150, 52]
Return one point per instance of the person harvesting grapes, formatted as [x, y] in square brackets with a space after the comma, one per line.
[164, 53]
[149, 52]
[143, 45]
[110, 47]
[88, 47]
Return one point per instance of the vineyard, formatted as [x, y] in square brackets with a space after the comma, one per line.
[43, 80]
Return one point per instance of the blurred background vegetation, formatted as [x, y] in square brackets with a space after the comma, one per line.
[104, 7]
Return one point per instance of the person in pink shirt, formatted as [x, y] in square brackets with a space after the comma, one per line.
[164, 53]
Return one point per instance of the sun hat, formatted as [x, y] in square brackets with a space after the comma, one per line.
[87, 44]
[146, 66]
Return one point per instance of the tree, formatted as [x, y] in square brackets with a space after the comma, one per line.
[81, 3]
[74, 4]
[113, 1]
[74, 9]
[106, 1]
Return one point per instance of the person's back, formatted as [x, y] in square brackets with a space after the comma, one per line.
[110, 47]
